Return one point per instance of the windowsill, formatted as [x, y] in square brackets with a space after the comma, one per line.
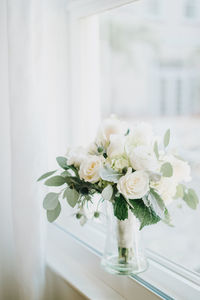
[80, 266]
[76, 257]
[77, 277]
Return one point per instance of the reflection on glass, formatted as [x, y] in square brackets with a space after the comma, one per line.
[150, 70]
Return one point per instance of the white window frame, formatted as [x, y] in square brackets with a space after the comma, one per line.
[163, 280]
[84, 65]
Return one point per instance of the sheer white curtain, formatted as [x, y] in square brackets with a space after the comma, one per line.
[33, 114]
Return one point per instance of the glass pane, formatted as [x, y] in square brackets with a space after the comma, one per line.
[191, 9]
[150, 71]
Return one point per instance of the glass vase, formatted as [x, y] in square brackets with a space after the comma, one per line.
[124, 254]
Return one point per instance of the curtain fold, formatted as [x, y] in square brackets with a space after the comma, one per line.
[33, 130]
[6, 232]
[28, 145]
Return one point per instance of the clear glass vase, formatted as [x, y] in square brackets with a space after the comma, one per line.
[123, 253]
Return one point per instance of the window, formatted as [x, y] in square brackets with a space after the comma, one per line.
[153, 7]
[147, 69]
[150, 71]
[177, 89]
[191, 9]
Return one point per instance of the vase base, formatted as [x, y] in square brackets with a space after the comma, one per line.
[112, 266]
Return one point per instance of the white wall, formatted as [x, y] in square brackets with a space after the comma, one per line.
[59, 289]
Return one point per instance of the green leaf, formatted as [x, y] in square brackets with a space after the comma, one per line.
[50, 201]
[155, 148]
[191, 198]
[52, 215]
[107, 192]
[180, 189]
[193, 195]
[120, 208]
[156, 203]
[145, 214]
[62, 161]
[128, 131]
[166, 169]
[167, 219]
[72, 196]
[66, 173]
[108, 174]
[166, 138]
[46, 175]
[72, 180]
[55, 181]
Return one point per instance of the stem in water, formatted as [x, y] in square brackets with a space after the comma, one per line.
[125, 235]
[125, 254]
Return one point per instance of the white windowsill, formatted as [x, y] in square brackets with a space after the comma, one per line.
[76, 257]
[80, 267]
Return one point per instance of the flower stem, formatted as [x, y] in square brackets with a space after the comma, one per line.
[125, 254]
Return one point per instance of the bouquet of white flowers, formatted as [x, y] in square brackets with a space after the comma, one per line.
[129, 167]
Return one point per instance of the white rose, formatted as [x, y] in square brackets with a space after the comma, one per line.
[116, 146]
[166, 188]
[143, 158]
[118, 164]
[181, 169]
[75, 156]
[108, 127]
[140, 134]
[89, 168]
[134, 185]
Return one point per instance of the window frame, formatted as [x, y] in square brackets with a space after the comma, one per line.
[181, 282]
[81, 94]
[162, 280]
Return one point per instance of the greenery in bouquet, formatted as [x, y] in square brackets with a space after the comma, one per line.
[129, 166]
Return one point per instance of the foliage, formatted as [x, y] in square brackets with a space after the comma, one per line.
[120, 207]
[133, 181]
[108, 174]
[166, 169]
[166, 138]
[145, 214]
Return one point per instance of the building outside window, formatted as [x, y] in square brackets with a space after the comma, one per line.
[150, 71]
[191, 9]
[153, 7]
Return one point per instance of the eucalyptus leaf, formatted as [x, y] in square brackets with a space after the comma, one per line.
[46, 175]
[55, 181]
[62, 161]
[166, 169]
[66, 173]
[107, 192]
[193, 195]
[52, 215]
[166, 138]
[180, 189]
[191, 198]
[108, 174]
[72, 196]
[155, 148]
[50, 201]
